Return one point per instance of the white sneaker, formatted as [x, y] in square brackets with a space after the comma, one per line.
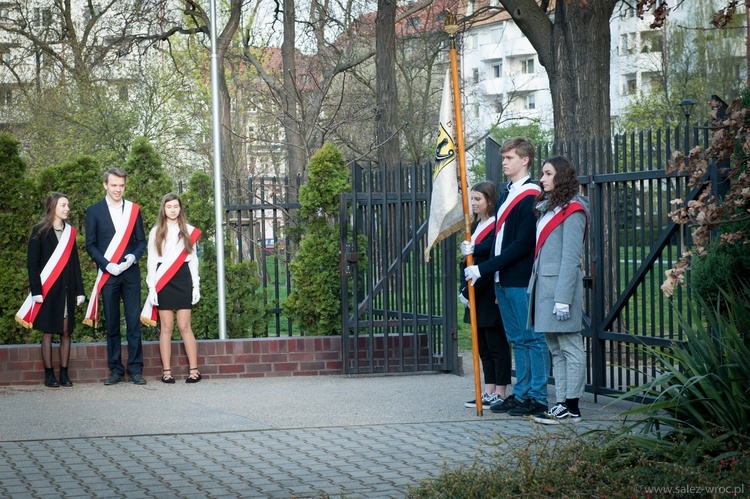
[485, 401]
[559, 413]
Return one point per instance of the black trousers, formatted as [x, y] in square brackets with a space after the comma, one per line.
[494, 351]
[118, 289]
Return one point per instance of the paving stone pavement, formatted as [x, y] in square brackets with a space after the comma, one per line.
[337, 436]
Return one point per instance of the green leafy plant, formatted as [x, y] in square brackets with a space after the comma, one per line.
[701, 399]
[315, 300]
[20, 208]
[246, 314]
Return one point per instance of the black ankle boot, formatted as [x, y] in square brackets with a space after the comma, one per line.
[49, 378]
[64, 379]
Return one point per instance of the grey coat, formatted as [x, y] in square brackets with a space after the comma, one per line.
[556, 276]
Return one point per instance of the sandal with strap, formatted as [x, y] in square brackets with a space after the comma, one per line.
[194, 376]
[166, 376]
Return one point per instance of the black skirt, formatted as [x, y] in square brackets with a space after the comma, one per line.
[177, 294]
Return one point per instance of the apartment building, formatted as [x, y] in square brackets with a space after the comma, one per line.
[503, 81]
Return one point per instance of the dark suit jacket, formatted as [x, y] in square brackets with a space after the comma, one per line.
[68, 285]
[99, 233]
[517, 254]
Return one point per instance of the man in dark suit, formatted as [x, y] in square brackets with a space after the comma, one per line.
[115, 240]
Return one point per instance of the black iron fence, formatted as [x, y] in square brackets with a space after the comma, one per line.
[400, 311]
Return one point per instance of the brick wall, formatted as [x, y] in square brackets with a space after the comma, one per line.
[242, 358]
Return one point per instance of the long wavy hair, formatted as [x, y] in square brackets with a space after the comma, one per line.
[161, 225]
[50, 206]
[488, 190]
[566, 183]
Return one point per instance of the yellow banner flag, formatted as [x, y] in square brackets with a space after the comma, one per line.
[446, 208]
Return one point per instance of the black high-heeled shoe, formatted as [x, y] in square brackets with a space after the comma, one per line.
[194, 378]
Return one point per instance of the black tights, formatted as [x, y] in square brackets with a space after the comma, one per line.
[64, 347]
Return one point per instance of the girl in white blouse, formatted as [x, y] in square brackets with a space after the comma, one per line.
[173, 282]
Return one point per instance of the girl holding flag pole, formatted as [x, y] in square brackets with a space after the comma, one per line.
[556, 284]
[173, 283]
[56, 284]
[492, 344]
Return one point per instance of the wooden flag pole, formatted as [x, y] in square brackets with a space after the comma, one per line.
[451, 27]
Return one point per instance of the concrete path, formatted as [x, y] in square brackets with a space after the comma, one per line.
[272, 437]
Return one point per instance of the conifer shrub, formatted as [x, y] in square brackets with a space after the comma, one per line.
[315, 300]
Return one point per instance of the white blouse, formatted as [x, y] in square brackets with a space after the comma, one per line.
[173, 231]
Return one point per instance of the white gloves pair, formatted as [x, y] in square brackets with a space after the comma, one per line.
[79, 299]
[153, 297]
[115, 269]
[561, 311]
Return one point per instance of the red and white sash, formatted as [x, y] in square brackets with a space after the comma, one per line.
[483, 230]
[169, 267]
[515, 196]
[51, 271]
[552, 219]
[114, 254]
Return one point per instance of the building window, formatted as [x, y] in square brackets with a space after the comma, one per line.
[497, 70]
[123, 92]
[530, 101]
[413, 22]
[470, 8]
[527, 66]
[651, 41]
[475, 75]
[631, 85]
[6, 97]
[5, 54]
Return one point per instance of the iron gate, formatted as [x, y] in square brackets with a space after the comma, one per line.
[399, 312]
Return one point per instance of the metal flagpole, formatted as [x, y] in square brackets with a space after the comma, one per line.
[216, 123]
[451, 27]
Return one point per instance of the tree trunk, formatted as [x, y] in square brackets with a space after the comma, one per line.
[574, 49]
[232, 167]
[295, 144]
[386, 114]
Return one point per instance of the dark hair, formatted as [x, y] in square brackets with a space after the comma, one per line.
[161, 225]
[50, 205]
[523, 146]
[117, 172]
[566, 182]
[488, 190]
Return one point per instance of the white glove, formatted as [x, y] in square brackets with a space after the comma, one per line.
[153, 298]
[196, 295]
[129, 260]
[472, 274]
[114, 269]
[467, 248]
[80, 299]
[463, 299]
[561, 311]
[37, 298]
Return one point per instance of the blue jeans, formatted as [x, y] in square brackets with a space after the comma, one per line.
[529, 348]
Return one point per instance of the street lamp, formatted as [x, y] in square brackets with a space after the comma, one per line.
[687, 107]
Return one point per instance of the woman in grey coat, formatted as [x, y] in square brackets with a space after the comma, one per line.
[556, 285]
